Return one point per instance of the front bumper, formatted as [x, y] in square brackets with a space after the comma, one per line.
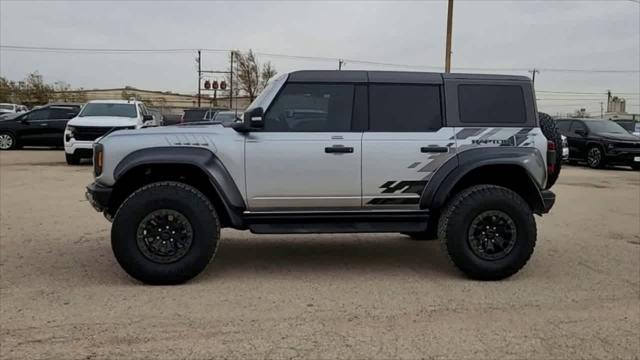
[98, 196]
[623, 157]
[548, 199]
[79, 148]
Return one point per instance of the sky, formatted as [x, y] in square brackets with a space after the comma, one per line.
[509, 37]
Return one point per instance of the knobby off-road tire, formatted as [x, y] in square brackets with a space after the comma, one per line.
[171, 207]
[550, 131]
[459, 221]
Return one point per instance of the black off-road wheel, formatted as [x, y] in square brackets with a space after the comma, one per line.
[595, 157]
[72, 159]
[550, 131]
[165, 233]
[488, 232]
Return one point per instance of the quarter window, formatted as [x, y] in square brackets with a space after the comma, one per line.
[491, 104]
[311, 108]
[408, 108]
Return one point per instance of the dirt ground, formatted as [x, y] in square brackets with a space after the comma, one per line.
[382, 296]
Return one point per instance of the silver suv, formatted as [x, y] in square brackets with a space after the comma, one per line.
[461, 158]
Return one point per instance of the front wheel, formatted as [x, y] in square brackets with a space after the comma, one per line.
[7, 141]
[595, 157]
[488, 232]
[165, 233]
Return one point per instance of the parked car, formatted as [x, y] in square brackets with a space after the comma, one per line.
[600, 142]
[40, 127]
[226, 117]
[200, 114]
[12, 108]
[97, 118]
[387, 155]
[632, 126]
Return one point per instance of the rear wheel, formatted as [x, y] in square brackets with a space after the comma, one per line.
[165, 233]
[595, 157]
[488, 232]
[7, 141]
[550, 131]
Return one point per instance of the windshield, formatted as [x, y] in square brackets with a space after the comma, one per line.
[106, 109]
[605, 126]
[194, 115]
[6, 107]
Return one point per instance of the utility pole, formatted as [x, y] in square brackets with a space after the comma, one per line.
[601, 110]
[534, 72]
[231, 83]
[608, 100]
[340, 63]
[199, 60]
[447, 59]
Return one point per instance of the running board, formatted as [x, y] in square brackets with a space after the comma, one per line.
[336, 222]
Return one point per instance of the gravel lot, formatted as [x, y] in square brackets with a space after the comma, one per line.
[337, 296]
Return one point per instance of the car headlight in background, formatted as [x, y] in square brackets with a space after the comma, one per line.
[69, 133]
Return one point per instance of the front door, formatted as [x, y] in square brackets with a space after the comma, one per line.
[405, 144]
[577, 142]
[306, 156]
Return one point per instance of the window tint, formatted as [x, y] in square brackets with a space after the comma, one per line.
[563, 126]
[42, 114]
[491, 104]
[62, 113]
[575, 125]
[404, 108]
[311, 108]
[109, 109]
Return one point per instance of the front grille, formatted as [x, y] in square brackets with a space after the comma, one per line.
[90, 133]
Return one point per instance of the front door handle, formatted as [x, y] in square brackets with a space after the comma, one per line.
[337, 149]
[434, 149]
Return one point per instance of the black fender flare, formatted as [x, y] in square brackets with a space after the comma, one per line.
[443, 181]
[202, 158]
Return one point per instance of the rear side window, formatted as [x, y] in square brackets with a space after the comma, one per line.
[404, 108]
[491, 104]
[311, 108]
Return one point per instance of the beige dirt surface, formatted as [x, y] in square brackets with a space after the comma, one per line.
[364, 296]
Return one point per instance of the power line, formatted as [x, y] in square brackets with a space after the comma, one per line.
[299, 57]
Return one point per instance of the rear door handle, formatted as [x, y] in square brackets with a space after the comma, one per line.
[434, 149]
[336, 149]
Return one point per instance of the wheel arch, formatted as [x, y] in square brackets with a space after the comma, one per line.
[519, 169]
[197, 167]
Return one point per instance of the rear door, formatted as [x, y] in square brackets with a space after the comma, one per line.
[307, 156]
[55, 125]
[406, 142]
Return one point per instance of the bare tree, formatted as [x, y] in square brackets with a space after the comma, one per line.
[249, 76]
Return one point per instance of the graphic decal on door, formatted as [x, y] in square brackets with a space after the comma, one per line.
[466, 138]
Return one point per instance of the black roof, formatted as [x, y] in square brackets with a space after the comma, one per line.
[405, 77]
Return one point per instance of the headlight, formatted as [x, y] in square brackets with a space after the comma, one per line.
[69, 133]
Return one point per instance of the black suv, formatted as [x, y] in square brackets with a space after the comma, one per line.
[600, 142]
[43, 126]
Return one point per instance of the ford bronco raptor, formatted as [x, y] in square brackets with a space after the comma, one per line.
[457, 157]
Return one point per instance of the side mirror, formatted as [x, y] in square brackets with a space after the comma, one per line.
[581, 132]
[253, 118]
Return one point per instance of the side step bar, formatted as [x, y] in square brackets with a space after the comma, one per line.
[336, 222]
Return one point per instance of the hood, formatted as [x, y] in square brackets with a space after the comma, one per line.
[100, 121]
[620, 137]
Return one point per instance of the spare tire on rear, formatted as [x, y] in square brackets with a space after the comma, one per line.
[550, 131]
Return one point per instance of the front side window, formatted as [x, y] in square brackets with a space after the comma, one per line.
[42, 114]
[106, 109]
[62, 113]
[491, 104]
[311, 108]
[408, 108]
